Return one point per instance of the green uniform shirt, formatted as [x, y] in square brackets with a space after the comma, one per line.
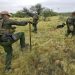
[35, 18]
[7, 24]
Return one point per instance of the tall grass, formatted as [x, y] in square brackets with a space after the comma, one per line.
[52, 53]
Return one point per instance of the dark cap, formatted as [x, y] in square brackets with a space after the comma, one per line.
[73, 13]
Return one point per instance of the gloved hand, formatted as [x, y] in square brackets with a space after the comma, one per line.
[29, 22]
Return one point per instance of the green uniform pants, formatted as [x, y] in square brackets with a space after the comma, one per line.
[35, 27]
[7, 45]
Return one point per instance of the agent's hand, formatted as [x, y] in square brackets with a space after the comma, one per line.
[29, 22]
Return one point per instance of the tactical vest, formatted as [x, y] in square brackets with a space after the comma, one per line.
[35, 19]
[5, 31]
[70, 23]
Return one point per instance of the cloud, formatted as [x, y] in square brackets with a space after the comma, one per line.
[14, 5]
[56, 5]
[60, 6]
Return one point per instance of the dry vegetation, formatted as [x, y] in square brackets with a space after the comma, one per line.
[52, 53]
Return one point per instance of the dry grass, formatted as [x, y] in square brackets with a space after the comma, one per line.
[48, 45]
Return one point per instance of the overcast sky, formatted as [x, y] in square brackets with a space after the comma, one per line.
[56, 5]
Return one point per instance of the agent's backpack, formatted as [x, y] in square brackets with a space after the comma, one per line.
[1, 22]
[1, 30]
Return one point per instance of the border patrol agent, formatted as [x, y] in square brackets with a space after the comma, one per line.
[71, 24]
[35, 17]
[35, 22]
[7, 37]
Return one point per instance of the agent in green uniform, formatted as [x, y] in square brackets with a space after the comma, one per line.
[71, 25]
[35, 17]
[7, 37]
[35, 22]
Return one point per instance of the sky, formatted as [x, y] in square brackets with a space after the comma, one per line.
[56, 5]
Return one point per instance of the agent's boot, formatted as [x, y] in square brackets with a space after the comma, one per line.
[25, 48]
[7, 70]
[35, 31]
